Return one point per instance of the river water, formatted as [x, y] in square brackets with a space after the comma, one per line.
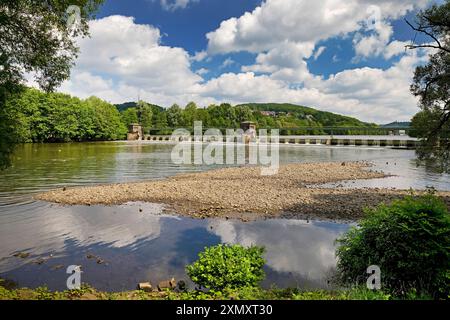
[119, 246]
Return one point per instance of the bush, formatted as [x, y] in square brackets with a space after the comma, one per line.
[228, 266]
[409, 240]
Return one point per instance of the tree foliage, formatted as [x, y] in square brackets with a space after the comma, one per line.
[36, 39]
[129, 116]
[174, 116]
[409, 240]
[54, 117]
[432, 85]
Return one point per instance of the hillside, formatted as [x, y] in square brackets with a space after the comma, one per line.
[326, 119]
[289, 118]
[124, 106]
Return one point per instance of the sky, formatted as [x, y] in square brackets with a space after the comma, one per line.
[343, 56]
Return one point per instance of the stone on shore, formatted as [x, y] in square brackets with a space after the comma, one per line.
[168, 284]
[145, 286]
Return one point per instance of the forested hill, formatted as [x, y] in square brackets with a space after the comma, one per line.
[124, 106]
[266, 114]
[326, 119]
[289, 118]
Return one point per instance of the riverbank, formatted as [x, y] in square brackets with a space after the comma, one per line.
[89, 293]
[243, 193]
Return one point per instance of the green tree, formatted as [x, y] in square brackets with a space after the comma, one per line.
[161, 123]
[432, 85]
[63, 117]
[244, 113]
[57, 117]
[35, 37]
[108, 123]
[190, 114]
[174, 116]
[145, 115]
[129, 116]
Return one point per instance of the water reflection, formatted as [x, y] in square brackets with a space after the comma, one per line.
[136, 243]
[49, 229]
[300, 248]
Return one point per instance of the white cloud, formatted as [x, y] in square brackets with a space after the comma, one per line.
[285, 55]
[394, 48]
[375, 44]
[378, 43]
[243, 87]
[377, 94]
[200, 56]
[277, 21]
[226, 63]
[172, 5]
[83, 84]
[122, 60]
[121, 49]
[202, 71]
[319, 52]
[285, 62]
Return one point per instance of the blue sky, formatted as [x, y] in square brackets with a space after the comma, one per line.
[187, 28]
[344, 56]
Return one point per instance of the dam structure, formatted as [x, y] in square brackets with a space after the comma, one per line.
[335, 140]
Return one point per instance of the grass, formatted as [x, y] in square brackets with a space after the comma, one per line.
[88, 293]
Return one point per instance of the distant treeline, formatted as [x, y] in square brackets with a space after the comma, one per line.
[290, 119]
[36, 116]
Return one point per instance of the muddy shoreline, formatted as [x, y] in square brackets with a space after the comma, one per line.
[242, 193]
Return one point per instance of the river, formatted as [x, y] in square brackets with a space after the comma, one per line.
[119, 246]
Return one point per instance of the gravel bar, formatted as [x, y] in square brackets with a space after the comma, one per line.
[242, 193]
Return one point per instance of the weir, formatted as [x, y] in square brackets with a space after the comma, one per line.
[373, 141]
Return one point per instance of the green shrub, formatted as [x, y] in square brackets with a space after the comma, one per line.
[409, 240]
[228, 266]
